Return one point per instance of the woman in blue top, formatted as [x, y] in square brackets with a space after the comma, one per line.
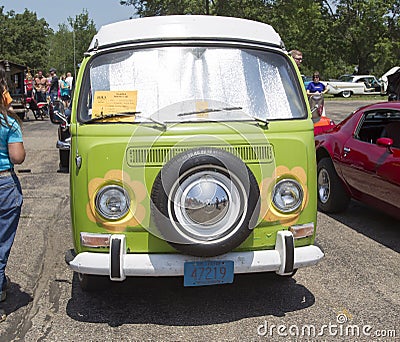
[64, 91]
[12, 152]
[316, 86]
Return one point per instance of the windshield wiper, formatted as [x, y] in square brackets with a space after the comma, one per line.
[254, 118]
[160, 123]
[112, 115]
[128, 114]
[209, 110]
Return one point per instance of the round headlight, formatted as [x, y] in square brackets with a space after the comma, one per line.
[112, 202]
[287, 195]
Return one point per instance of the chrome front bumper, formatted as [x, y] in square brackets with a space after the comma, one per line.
[118, 264]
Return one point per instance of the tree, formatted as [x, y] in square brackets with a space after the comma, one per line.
[68, 44]
[24, 38]
[360, 26]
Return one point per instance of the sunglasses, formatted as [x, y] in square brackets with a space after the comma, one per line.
[315, 76]
[298, 58]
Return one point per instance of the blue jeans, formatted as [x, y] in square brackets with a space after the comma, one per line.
[53, 96]
[10, 211]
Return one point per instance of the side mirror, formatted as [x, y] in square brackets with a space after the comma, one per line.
[384, 142]
[56, 112]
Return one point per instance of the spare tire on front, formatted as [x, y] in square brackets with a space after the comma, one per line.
[205, 202]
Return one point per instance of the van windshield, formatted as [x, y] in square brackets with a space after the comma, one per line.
[182, 84]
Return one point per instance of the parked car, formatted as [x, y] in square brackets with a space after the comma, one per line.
[348, 85]
[61, 116]
[193, 154]
[359, 158]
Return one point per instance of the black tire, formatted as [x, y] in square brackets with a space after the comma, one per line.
[186, 209]
[346, 94]
[332, 195]
[91, 283]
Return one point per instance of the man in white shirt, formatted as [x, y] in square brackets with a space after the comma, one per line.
[69, 79]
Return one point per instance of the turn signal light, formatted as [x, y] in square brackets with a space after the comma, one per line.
[302, 230]
[95, 240]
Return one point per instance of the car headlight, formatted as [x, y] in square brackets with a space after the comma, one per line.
[112, 202]
[287, 195]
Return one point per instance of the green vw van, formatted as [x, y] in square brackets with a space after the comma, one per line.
[192, 154]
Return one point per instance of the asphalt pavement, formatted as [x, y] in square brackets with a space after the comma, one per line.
[353, 294]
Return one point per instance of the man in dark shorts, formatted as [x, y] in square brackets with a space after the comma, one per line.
[53, 85]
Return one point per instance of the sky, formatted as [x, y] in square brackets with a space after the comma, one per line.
[56, 12]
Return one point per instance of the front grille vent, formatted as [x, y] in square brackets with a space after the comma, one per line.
[156, 156]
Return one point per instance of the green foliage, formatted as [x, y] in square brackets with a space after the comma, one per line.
[23, 38]
[335, 36]
[29, 41]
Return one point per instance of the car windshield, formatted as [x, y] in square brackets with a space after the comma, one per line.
[180, 84]
[346, 78]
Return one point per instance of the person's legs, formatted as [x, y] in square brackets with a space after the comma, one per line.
[40, 97]
[53, 96]
[10, 211]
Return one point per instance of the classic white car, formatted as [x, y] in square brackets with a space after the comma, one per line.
[348, 85]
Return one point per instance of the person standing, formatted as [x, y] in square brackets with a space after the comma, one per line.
[28, 83]
[12, 152]
[64, 91]
[297, 56]
[316, 86]
[6, 98]
[53, 85]
[40, 87]
[70, 80]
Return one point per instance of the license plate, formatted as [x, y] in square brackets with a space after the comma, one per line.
[201, 273]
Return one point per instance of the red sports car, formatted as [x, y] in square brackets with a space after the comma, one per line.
[360, 158]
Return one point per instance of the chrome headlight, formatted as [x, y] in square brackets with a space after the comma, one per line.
[112, 202]
[287, 195]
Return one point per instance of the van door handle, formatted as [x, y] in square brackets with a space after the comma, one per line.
[346, 150]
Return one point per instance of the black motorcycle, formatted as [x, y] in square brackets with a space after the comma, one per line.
[61, 116]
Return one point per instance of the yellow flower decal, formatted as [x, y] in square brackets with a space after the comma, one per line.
[137, 192]
[268, 212]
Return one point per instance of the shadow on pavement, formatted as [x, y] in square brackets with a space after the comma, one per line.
[164, 301]
[372, 223]
[16, 299]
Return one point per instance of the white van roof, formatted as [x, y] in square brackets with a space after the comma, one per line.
[185, 27]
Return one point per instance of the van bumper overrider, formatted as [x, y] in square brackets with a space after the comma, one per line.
[118, 264]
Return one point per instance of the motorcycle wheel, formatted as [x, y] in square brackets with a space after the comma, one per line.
[35, 114]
